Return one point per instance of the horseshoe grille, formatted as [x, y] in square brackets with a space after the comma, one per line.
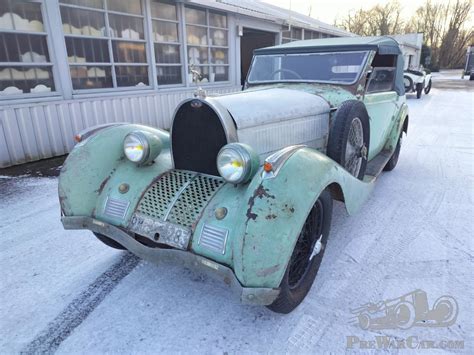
[179, 197]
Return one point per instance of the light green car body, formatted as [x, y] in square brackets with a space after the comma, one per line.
[264, 217]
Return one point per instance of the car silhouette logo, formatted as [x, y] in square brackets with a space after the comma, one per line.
[404, 312]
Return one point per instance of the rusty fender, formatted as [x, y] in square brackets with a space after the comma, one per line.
[276, 209]
[95, 167]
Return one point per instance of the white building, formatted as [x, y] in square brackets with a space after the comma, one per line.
[70, 64]
[411, 45]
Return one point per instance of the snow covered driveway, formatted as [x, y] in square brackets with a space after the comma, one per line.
[65, 291]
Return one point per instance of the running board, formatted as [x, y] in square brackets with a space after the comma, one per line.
[376, 165]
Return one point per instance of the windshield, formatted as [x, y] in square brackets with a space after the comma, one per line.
[330, 67]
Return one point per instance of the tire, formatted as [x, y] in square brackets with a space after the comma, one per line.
[428, 88]
[347, 145]
[405, 315]
[392, 163]
[364, 321]
[109, 242]
[446, 310]
[419, 90]
[408, 83]
[471, 76]
[305, 262]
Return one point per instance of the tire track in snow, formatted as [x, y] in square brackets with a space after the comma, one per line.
[78, 310]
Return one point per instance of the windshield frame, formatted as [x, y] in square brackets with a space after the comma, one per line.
[359, 74]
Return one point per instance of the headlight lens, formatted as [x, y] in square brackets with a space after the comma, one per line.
[136, 147]
[237, 163]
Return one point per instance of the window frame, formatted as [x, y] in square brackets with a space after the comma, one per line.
[181, 43]
[290, 29]
[110, 39]
[190, 83]
[52, 63]
[372, 77]
[61, 68]
[333, 82]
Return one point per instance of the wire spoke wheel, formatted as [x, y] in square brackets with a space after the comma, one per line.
[306, 257]
[355, 147]
[349, 138]
[306, 246]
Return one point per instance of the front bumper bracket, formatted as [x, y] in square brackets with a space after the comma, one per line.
[249, 295]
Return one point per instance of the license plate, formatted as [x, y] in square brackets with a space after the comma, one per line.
[160, 231]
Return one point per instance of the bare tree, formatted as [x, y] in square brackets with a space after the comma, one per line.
[445, 25]
[377, 21]
[456, 36]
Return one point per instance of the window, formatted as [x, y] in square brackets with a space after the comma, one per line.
[105, 43]
[381, 79]
[312, 34]
[330, 67]
[207, 44]
[25, 64]
[165, 35]
[292, 34]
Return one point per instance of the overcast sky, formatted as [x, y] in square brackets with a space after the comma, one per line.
[328, 10]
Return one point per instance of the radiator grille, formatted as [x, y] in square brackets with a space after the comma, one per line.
[179, 197]
[116, 208]
[194, 198]
[159, 197]
[213, 238]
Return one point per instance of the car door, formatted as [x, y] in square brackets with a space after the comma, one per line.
[381, 102]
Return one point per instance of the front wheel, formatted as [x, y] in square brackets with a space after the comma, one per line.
[419, 90]
[408, 83]
[428, 88]
[306, 257]
[109, 242]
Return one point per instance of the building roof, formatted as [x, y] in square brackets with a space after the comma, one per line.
[259, 9]
[383, 44]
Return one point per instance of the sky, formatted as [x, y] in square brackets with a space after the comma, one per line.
[328, 10]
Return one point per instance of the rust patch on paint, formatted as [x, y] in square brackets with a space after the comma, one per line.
[288, 209]
[102, 184]
[271, 216]
[260, 192]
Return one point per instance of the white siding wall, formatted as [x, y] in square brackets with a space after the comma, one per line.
[35, 131]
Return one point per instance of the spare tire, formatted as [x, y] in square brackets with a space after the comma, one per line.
[349, 137]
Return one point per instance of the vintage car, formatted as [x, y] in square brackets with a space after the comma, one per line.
[417, 81]
[243, 185]
[469, 67]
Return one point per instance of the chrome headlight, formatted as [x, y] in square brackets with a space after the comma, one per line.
[141, 147]
[237, 163]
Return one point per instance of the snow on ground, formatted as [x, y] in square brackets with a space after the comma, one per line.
[415, 232]
[450, 74]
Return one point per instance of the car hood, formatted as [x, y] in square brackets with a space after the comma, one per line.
[273, 118]
[252, 108]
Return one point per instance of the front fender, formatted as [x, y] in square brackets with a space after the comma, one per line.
[97, 166]
[276, 209]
